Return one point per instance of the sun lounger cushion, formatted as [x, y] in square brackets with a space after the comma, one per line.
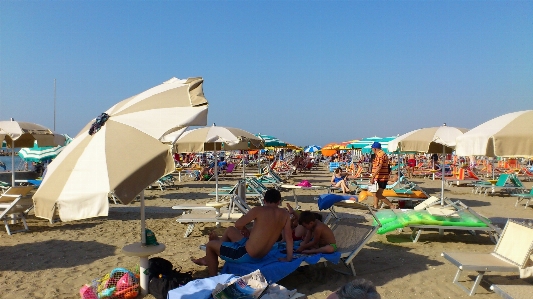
[273, 269]
[393, 219]
[325, 201]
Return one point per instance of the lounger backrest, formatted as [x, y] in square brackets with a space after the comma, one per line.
[502, 179]
[516, 243]
[426, 203]
[471, 174]
[516, 181]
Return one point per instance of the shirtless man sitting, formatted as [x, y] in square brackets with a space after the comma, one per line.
[240, 245]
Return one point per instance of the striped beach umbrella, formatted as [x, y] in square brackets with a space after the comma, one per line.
[271, 141]
[312, 148]
[39, 154]
[384, 145]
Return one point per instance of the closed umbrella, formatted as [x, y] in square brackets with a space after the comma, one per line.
[25, 134]
[508, 135]
[121, 152]
[214, 139]
[429, 140]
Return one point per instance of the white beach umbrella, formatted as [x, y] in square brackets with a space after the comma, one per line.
[509, 135]
[124, 155]
[25, 134]
[121, 152]
[429, 140]
[216, 139]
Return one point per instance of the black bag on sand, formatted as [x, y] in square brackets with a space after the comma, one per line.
[163, 280]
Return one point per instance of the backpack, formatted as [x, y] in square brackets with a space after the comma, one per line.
[163, 277]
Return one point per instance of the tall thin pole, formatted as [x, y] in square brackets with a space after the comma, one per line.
[54, 104]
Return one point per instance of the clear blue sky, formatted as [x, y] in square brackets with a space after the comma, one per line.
[308, 72]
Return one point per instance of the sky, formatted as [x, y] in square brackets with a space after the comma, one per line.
[307, 72]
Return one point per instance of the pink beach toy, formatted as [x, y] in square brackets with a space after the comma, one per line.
[86, 292]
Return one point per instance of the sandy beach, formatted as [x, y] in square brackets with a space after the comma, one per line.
[55, 260]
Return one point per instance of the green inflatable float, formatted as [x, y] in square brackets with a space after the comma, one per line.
[391, 220]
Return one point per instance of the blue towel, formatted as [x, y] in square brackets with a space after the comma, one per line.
[199, 288]
[325, 201]
[273, 269]
[35, 182]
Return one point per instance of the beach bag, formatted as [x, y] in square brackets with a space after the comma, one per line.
[159, 286]
[158, 266]
[163, 277]
[373, 188]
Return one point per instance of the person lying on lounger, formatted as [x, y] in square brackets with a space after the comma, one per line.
[319, 237]
[240, 245]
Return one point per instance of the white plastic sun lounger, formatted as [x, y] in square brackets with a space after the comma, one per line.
[513, 291]
[14, 207]
[511, 254]
[236, 208]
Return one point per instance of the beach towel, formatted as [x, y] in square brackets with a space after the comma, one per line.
[325, 201]
[304, 183]
[199, 288]
[273, 269]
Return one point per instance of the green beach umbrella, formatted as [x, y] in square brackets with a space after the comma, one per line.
[39, 154]
[271, 141]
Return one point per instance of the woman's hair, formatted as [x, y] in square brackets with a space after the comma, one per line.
[358, 289]
[338, 170]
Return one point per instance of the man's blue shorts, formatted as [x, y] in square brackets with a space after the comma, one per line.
[236, 252]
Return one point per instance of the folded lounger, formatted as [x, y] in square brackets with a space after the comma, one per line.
[511, 254]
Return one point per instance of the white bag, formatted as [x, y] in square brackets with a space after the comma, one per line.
[373, 188]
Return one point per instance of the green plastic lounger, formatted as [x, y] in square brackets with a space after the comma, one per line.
[522, 196]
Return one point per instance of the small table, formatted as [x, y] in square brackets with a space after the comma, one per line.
[217, 205]
[143, 252]
[294, 187]
[493, 184]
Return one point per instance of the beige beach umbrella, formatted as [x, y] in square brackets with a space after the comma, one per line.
[428, 140]
[508, 135]
[216, 139]
[121, 152]
[26, 134]
[123, 155]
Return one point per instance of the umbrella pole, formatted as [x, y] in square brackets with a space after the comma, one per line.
[398, 167]
[216, 173]
[243, 167]
[12, 163]
[442, 178]
[143, 224]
